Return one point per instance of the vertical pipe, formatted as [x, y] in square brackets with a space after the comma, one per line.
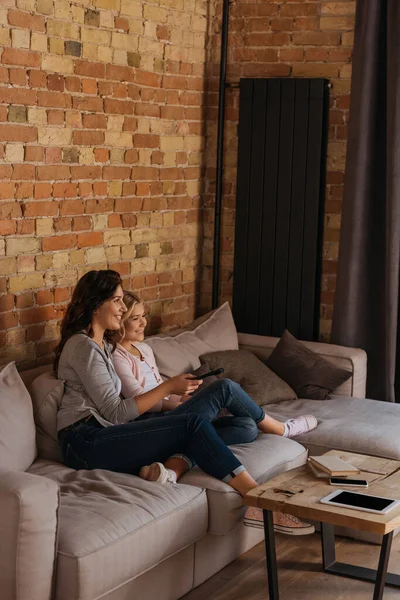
[220, 153]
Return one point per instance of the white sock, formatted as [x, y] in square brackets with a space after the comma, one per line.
[286, 432]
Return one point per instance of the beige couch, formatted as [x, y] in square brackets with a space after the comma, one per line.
[86, 535]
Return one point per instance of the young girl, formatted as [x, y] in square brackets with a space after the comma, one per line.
[135, 364]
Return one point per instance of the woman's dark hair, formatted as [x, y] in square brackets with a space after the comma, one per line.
[93, 288]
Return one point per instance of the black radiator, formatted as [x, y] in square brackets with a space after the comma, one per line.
[279, 208]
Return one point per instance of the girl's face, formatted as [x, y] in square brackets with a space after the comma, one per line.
[109, 314]
[135, 324]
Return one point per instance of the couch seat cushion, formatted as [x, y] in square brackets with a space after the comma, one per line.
[351, 424]
[266, 457]
[113, 527]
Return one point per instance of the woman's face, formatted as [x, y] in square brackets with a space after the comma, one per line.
[135, 324]
[109, 314]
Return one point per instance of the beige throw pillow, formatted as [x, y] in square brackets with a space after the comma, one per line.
[47, 392]
[257, 380]
[178, 353]
[17, 428]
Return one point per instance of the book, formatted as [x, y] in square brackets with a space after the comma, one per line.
[317, 472]
[333, 465]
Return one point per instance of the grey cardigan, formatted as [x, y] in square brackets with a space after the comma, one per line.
[92, 387]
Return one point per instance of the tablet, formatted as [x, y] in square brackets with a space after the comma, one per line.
[359, 501]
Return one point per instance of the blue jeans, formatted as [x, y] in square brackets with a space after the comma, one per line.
[187, 429]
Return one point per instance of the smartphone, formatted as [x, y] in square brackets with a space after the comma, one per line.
[360, 501]
[215, 372]
[344, 481]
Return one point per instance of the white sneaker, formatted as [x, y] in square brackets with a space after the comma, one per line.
[283, 523]
[300, 425]
[157, 472]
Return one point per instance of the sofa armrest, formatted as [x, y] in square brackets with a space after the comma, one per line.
[28, 535]
[353, 359]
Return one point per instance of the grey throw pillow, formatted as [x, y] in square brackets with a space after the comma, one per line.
[260, 383]
[310, 375]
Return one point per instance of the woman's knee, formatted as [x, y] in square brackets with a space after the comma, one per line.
[224, 385]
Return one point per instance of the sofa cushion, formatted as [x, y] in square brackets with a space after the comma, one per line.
[310, 375]
[178, 352]
[256, 379]
[266, 457]
[17, 428]
[113, 527]
[351, 424]
[47, 392]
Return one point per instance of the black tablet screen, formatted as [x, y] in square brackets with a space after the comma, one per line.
[362, 501]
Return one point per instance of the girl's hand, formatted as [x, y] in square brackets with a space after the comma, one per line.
[183, 384]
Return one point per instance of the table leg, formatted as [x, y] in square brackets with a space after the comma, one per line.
[381, 572]
[270, 555]
[380, 576]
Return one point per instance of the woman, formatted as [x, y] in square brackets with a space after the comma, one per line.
[100, 429]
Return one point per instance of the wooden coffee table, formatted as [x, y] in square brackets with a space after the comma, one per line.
[298, 492]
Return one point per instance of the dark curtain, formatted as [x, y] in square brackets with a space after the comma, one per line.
[366, 313]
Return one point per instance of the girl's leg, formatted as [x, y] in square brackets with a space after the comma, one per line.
[236, 430]
[225, 393]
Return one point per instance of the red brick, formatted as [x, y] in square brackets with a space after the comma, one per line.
[85, 189]
[37, 79]
[81, 223]
[114, 221]
[73, 84]
[143, 140]
[262, 9]
[8, 320]
[26, 227]
[44, 297]
[120, 90]
[55, 117]
[62, 224]
[14, 56]
[18, 76]
[131, 156]
[54, 99]
[72, 207]
[25, 20]
[7, 191]
[129, 220]
[134, 91]
[130, 124]
[65, 190]
[175, 113]
[61, 295]
[40, 209]
[94, 238]
[43, 190]
[144, 173]
[24, 190]
[111, 173]
[314, 38]
[3, 75]
[121, 23]
[87, 103]
[6, 302]
[17, 96]
[88, 138]
[89, 86]
[5, 171]
[122, 107]
[101, 155]
[105, 88]
[100, 188]
[52, 173]
[89, 172]
[99, 205]
[128, 204]
[37, 315]
[10, 210]
[59, 242]
[53, 155]
[8, 226]
[55, 82]
[119, 73]
[89, 69]
[94, 121]
[128, 188]
[24, 300]
[26, 172]
[45, 348]
[34, 153]
[147, 78]
[147, 110]
[18, 133]
[34, 333]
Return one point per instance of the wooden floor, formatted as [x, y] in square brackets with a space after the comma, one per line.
[300, 573]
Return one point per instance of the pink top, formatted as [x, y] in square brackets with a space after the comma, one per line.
[132, 377]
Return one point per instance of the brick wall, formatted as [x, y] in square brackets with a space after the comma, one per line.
[101, 150]
[275, 38]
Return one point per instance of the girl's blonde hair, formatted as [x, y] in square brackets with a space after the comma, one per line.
[130, 300]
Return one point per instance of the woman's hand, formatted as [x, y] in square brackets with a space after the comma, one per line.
[183, 384]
